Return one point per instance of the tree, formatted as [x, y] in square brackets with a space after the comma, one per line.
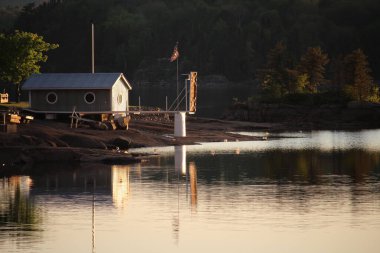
[275, 77]
[297, 82]
[313, 64]
[358, 80]
[21, 55]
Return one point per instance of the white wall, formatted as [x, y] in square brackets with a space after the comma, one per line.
[119, 89]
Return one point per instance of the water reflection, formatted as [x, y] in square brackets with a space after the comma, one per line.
[19, 215]
[276, 166]
[188, 172]
[186, 199]
[120, 185]
[193, 186]
[180, 159]
[325, 141]
[16, 206]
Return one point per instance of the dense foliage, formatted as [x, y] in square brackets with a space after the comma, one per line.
[290, 46]
[21, 55]
[228, 37]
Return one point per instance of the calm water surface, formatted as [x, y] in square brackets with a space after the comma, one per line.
[314, 192]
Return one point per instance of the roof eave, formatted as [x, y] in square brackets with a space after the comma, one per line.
[129, 86]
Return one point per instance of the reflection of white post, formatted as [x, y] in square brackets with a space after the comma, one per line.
[120, 185]
[180, 159]
[180, 124]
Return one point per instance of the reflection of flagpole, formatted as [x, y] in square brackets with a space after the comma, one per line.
[176, 217]
[93, 216]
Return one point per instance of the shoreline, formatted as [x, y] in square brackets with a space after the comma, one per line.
[46, 141]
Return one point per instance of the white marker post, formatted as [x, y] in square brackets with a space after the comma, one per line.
[180, 124]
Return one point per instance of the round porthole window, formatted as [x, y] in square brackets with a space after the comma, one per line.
[89, 97]
[119, 99]
[51, 98]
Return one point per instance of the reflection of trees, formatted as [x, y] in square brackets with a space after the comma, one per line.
[358, 164]
[295, 165]
[16, 206]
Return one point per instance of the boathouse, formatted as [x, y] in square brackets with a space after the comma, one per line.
[87, 92]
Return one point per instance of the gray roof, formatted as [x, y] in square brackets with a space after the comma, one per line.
[69, 81]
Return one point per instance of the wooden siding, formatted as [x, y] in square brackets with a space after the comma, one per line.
[67, 99]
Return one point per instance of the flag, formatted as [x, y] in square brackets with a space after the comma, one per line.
[175, 53]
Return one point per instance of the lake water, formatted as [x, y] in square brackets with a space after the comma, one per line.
[313, 192]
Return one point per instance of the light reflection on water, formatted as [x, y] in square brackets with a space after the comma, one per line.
[321, 140]
[264, 198]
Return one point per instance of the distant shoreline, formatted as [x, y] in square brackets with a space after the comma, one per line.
[351, 116]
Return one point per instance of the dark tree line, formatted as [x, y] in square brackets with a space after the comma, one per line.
[283, 76]
[227, 37]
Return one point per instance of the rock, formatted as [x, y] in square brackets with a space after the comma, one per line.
[122, 142]
[82, 142]
[48, 155]
[30, 140]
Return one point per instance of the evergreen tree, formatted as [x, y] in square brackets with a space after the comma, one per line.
[313, 64]
[358, 80]
[275, 77]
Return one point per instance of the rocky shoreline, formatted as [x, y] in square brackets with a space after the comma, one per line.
[54, 142]
[44, 141]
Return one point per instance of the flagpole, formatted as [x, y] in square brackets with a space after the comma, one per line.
[92, 49]
[174, 57]
[177, 87]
